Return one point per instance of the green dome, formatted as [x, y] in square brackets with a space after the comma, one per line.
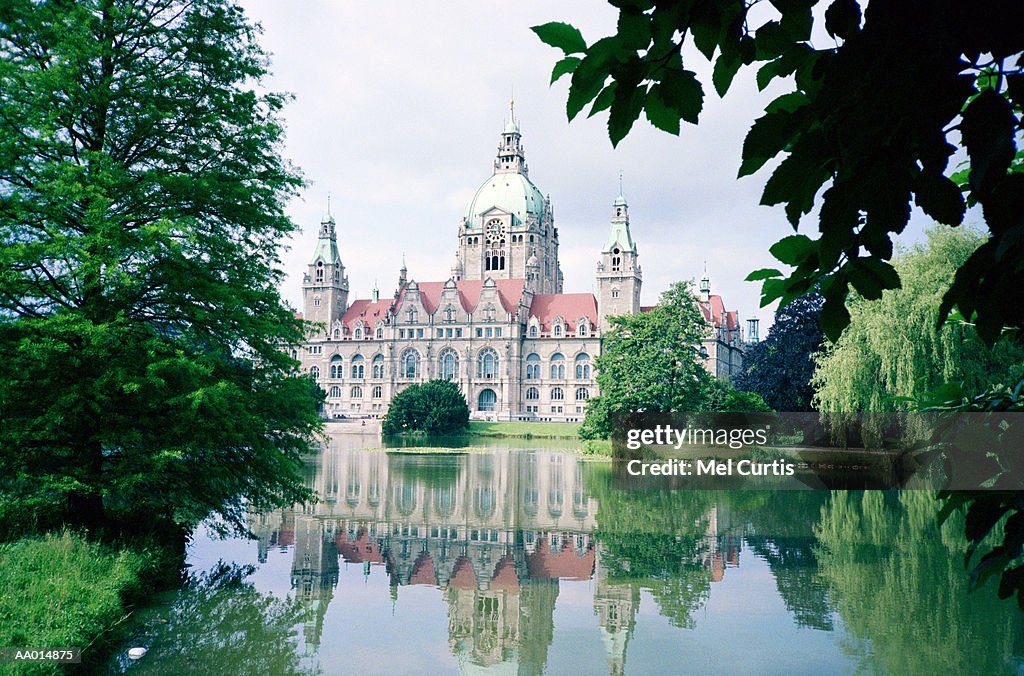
[512, 192]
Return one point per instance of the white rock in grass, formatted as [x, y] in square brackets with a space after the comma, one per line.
[136, 653]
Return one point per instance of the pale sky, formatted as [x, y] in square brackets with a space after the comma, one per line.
[397, 111]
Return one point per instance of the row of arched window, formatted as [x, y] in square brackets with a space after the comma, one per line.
[557, 394]
[558, 328]
[361, 333]
[556, 366]
[357, 367]
[377, 392]
[487, 366]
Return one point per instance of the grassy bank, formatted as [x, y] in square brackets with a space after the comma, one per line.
[524, 430]
[61, 591]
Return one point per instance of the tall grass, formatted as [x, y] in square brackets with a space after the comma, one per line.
[60, 591]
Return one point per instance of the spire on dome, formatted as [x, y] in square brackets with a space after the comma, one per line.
[511, 158]
[512, 125]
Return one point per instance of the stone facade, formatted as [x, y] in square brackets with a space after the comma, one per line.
[499, 326]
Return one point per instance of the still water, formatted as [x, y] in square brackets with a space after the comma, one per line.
[530, 560]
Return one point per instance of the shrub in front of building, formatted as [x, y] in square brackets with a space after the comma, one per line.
[434, 407]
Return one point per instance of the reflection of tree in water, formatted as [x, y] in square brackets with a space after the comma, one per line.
[537, 607]
[220, 623]
[660, 541]
[781, 531]
[901, 589]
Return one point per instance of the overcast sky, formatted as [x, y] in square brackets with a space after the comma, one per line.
[397, 111]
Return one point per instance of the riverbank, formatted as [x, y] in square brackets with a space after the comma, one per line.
[524, 430]
[61, 591]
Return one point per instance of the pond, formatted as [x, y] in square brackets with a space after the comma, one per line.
[519, 557]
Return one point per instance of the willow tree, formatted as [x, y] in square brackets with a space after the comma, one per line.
[897, 582]
[142, 198]
[894, 350]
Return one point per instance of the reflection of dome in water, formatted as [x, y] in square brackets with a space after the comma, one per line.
[463, 653]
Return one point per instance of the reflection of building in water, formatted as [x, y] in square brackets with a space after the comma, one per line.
[494, 531]
[314, 573]
[615, 606]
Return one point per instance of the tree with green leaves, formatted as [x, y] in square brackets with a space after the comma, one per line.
[723, 397]
[893, 352]
[893, 577]
[434, 407]
[780, 367]
[651, 362]
[142, 200]
[873, 119]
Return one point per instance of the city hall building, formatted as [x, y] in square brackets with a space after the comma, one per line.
[499, 326]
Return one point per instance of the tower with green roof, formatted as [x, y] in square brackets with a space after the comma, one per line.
[618, 273]
[325, 285]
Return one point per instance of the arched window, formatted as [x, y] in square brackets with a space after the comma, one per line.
[315, 372]
[487, 364]
[582, 327]
[583, 366]
[615, 293]
[448, 364]
[532, 393]
[378, 366]
[380, 331]
[359, 331]
[337, 367]
[358, 367]
[557, 394]
[357, 392]
[335, 391]
[337, 334]
[410, 363]
[449, 314]
[616, 260]
[378, 392]
[582, 394]
[487, 401]
[533, 366]
[558, 366]
[319, 271]
[558, 329]
[445, 500]
[533, 330]
[484, 501]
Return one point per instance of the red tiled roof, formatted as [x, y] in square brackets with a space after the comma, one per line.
[358, 550]
[510, 291]
[463, 576]
[505, 577]
[423, 570]
[369, 311]
[564, 564]
[714, 312]
[569, 306]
